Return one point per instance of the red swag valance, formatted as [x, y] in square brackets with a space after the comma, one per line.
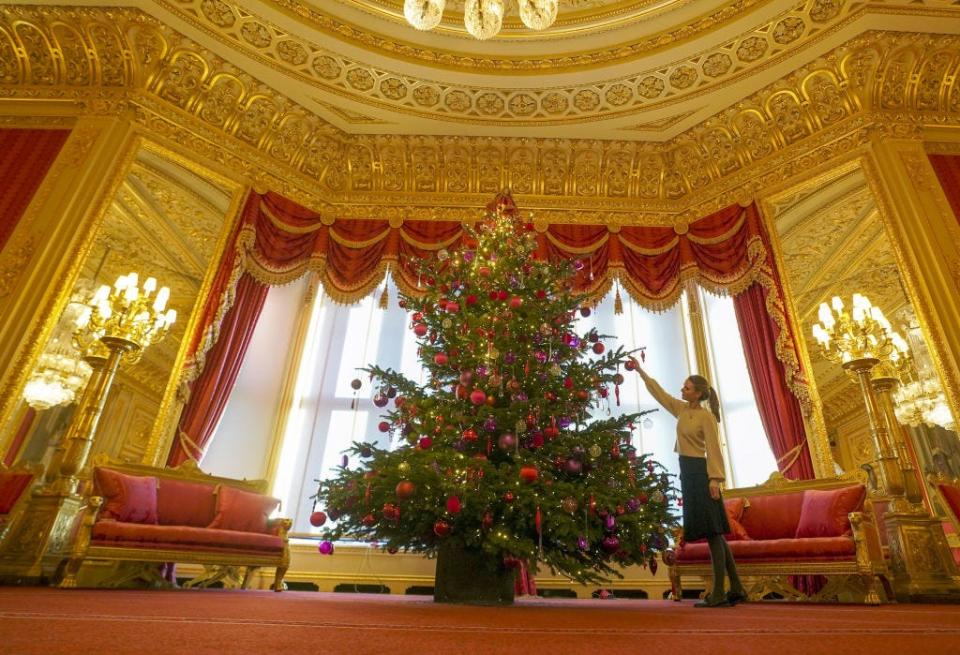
[277, 241]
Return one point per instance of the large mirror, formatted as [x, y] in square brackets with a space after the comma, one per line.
[166, 220]
[834, 243]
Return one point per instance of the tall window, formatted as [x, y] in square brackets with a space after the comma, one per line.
[324, 415]
[751, 460]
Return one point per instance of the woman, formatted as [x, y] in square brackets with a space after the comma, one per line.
[701, 473]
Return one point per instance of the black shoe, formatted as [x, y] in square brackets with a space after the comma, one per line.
[734, 597]
[713, 602]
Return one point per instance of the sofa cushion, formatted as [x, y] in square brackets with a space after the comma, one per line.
[129, 498]
[951, 496]
[825, 511]
[774, 516]
[245, 511]
[185, 503]
[814, 549]
[178, 537]
[12, 486]
[734, 508]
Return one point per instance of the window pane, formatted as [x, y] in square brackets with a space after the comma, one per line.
[751, 458]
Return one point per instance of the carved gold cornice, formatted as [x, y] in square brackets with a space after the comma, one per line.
[178, 90]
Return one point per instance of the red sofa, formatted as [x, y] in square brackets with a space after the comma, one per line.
[146, 515]
[948, 496]
[15, 484]
[784, 531]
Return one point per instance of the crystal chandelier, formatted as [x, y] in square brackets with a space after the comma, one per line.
[59, 374]
[920, 399]
[60, 371]
[482, 18]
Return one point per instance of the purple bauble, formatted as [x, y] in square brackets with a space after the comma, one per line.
[577, 264]
[541, 356]
[564, 422]
[610, 523]
[482, 371]
[582, 543]
[510, 358]
[521, 397]
[325, 548]
[633, 505]
[573, 341]
[506, 441]
[468, 256]
[610, 543]
[490, 424]
[573, 466]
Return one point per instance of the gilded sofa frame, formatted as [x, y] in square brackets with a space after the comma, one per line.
[217, 566]
[864, 578]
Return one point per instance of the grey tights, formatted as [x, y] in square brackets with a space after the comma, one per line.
[723, 565]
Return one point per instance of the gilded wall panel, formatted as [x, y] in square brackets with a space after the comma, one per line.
[616, 174]
[586, 173]
[490, 178]
[457, 169]
[522, 170]
[426, 169]
[360, 161]
[11, 64]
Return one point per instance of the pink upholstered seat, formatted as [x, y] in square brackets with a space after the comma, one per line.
[12, 486]
[818, 549]
[140, 535]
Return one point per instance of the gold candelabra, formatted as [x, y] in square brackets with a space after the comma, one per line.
[859, 340]
[118, 322]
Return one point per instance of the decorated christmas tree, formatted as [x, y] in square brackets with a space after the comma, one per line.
[504, 454]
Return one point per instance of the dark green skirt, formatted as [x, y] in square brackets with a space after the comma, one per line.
[702, 515]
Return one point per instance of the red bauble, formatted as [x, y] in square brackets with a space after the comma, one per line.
[541, 294]
[417, 317]
[617, 378]
[440, 359]
[598, 348]
[471, 299]
[487, 520]
[477, 397]
[441, 528]
[551, 432]
[502, 294]
[583, 394]
[405, 489]
[383, 426]
[425, 443]
[469, 434]
[508, 497]
[391, 512]
[453, 505]
[568, 383]
[516, 302]
[529, 474]
[629, 365]
[483, 271]
[492, 295]
[317, 519]
[453, 307]
[420, 329]
[462, 392]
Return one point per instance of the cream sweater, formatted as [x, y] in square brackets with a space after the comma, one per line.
[697, 431]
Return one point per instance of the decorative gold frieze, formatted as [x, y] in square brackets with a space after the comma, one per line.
[196, 99]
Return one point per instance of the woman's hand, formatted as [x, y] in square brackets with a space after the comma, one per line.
[636, 366]
[715, 489]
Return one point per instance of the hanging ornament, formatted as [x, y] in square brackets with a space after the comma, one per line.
[617, 301]
[317, 519]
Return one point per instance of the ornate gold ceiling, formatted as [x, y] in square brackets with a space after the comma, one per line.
[248, 90]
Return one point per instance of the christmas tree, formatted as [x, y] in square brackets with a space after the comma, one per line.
[500, 450]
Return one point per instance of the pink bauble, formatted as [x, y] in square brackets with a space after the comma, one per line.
[478, 397]
[325, 548]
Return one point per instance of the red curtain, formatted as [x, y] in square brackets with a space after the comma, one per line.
[779, 409]
[25, 158]
[210, 391]
[277, 241]
[947, 168]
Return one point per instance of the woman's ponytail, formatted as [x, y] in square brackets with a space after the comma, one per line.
[714, 403]
[707, 393]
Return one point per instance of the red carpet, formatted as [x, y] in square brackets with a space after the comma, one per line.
[35, 621]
